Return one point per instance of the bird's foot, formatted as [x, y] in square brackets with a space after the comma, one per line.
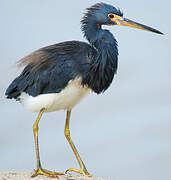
[81, 171]
[41, 171]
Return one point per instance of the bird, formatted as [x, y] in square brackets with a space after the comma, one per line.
[57, 77]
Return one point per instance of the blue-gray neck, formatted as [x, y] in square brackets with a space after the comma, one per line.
[105, 61]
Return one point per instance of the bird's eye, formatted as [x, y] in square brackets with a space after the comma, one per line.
[111, 16]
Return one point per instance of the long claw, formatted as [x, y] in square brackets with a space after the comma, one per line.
[45, 172]
[81, 171]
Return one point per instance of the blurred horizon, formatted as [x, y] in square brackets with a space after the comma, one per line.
[122, 134]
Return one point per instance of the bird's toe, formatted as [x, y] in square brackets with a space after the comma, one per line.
[81, 171]
[45, 172]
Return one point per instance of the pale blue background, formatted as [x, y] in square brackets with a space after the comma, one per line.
[124, 134]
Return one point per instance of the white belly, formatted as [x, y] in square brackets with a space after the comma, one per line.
[66, 99]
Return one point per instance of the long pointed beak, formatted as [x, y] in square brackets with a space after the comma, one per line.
[130, 23]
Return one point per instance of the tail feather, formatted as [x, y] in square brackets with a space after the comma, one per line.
[13, 91]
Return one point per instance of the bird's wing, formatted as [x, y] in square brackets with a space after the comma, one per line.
[48, 70]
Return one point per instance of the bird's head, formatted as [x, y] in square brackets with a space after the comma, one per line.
[105, 14]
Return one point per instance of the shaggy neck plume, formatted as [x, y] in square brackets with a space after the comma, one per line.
[105, 62]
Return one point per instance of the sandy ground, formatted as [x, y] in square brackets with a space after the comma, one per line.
[26, 175]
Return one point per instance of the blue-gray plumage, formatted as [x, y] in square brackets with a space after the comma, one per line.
[49, 69]
[58, 76]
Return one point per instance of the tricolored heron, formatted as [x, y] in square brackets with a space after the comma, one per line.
[58, 76]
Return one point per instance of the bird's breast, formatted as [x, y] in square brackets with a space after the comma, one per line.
[65, 99]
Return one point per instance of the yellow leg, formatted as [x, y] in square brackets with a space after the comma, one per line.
[39, 170]
[83, 169]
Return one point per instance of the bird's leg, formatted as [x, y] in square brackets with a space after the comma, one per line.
[39, 170]
[83, 169]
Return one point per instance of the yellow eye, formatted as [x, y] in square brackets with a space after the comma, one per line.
[111, 16]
